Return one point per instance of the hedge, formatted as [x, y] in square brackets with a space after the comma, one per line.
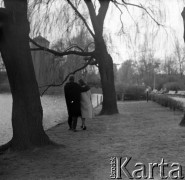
[166, 101]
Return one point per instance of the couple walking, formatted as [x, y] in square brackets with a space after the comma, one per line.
[78, 101]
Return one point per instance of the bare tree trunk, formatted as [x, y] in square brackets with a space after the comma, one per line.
[182, 123]
[27, 111]
[105, 63]
[103, 57]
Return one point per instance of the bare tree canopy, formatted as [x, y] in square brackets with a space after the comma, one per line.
[64, 20]
[74, 15]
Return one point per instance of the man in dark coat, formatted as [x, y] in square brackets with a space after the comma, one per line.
[72, 92]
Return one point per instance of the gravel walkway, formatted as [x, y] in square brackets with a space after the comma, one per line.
[144, 131]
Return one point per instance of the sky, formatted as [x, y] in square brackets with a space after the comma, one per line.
[161, 39]
[139, 30]
[128, 44]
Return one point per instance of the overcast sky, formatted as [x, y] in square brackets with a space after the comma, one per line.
[160, 39]
[127, 43]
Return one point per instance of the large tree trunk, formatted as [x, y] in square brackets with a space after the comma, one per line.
[182, 123]
[27, 111]
[103, 57]
[105, 63]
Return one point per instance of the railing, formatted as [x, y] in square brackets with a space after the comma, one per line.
[172, 92]
[97, 99]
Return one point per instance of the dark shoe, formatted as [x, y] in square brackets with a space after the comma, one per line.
[81, 127]
[74, 130]
[69, 129]
[84, 128]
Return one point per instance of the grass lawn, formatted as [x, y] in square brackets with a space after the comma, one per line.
[144, 131]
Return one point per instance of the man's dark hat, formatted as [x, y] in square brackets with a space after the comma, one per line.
[71, 78]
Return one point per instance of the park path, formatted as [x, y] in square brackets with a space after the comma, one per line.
[147, 132]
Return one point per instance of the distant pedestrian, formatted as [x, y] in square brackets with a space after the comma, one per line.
[147, 94]
[86, 104]
[72, 92]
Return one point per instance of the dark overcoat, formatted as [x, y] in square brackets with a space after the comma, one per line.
[72, 92]
[72, 95]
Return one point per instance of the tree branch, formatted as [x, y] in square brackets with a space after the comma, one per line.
[81, 17]
[121, 16]
[138, 6]
[80, 53]
[72, 73]
[104, 5]
[92, 14]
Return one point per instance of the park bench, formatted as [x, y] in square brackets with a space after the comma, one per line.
[181, 93]
[97, 99]
[172, 92]
[154, 91]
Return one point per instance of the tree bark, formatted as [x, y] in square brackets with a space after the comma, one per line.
[182, 123]
[27, 111]
[105, 63]
[103, 58]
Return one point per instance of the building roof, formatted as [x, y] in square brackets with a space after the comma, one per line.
[40, 38]
[42, 41]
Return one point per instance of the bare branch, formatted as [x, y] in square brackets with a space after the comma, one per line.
[92, 14]
[35, 49]
[87, 47]
[80, 53]
[121, 16]
[74, 46]
[81, 17]
[97, 20]
[72, 73]
[104, 5]
[138, 6]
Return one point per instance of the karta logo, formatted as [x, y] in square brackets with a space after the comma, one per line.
[141, 171]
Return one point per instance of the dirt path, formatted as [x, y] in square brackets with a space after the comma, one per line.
[144, 131]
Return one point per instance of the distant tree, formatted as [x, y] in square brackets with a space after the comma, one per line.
[93, 79]
[72, 62]
[169, 66]
[179, 55]
[127, 73]
[147, 67]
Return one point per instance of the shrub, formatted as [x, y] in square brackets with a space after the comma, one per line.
[130, 92]
[166, 101]
[174, 86]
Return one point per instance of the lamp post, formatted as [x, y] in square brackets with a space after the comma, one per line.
[154, 79]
